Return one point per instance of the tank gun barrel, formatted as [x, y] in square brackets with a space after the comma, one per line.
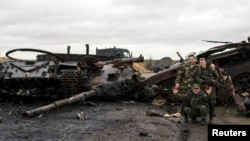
[59, 103]
[115, 89]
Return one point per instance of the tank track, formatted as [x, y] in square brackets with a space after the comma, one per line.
[31, 93]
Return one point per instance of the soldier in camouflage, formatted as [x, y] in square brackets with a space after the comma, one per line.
[206, 76]
[186, 75]
[195, 103]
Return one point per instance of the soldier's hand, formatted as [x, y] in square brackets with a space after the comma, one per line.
[177, 85]
[209, 90]
[175, 90]
[206, 86]
[212, 66]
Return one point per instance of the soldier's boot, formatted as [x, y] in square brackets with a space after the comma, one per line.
[211, 119]
[211, 116]
[203, 121]
[211, 112]
[186, 119]
[193, 120]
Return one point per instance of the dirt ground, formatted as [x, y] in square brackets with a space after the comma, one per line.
[102, 120]
[123, 120]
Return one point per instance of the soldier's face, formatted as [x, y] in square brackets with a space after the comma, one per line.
[196, 90]
[191, 60]
[203, 63]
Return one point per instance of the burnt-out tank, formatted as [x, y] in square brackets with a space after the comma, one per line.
[234, 58]
[163, 81]
[60, 79]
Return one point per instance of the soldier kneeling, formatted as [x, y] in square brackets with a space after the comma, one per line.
[195, 103]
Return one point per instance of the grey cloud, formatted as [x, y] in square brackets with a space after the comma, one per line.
[141, 25]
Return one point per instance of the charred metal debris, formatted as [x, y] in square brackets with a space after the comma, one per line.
[69, 78]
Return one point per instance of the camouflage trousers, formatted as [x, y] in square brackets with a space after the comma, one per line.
[200, 111]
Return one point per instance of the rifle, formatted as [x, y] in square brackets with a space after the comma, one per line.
[208, 81]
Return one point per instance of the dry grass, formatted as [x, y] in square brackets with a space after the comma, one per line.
[2, 59]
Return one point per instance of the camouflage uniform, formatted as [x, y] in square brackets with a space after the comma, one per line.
[202, 74]
[186, 77]
[195, 105]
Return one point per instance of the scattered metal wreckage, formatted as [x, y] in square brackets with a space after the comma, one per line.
[60, 79]
[77, 79]
[50, 75]
[67, 81]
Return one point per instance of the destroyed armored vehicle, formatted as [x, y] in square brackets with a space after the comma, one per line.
[60, 79]
[234, 58]
[163, 81]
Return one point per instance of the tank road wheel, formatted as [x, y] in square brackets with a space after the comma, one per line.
[69, 83]
[242, 82]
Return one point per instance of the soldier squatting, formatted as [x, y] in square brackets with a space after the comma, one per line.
[193, 85]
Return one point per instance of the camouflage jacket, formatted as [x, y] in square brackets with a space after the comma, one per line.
[204, 74]
[186, 77]
[193, 100]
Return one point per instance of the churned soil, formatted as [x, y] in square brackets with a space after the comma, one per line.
[102, 120]
[96, 120]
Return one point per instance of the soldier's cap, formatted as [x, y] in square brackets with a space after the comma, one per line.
[196, 85]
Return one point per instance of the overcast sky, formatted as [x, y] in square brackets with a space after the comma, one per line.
[153, 28]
